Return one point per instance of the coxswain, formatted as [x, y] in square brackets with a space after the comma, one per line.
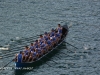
[59, 29]
[39, 52]
[20, 57]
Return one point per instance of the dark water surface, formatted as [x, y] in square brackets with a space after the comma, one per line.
[22, 20]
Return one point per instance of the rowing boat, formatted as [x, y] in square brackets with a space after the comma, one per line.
[29, 65]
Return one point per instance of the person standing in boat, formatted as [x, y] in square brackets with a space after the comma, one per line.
[39, 52]
[19, 57]
[59, 29]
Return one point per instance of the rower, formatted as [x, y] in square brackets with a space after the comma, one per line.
[26, 52]
[32, 47]
[41, 39]
[52, 33]
[54, 40]
[36, 44]
[33, 56]
[46, 36]
[49, 43]
[20, 57]
[44, 46]
[39, 51]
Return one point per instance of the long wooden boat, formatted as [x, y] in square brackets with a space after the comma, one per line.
[25, 65]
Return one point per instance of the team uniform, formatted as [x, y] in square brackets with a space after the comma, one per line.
[46, 37]
[41, 40]
[49, 42]
[54, 39]
[32, 48]
[44, 47]
[59, 30]
[19, 58]
[52, 34]
[26, 52]
[39, 51]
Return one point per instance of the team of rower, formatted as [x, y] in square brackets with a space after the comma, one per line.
[40, 46]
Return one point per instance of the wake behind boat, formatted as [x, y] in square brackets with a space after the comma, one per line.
[45, 52]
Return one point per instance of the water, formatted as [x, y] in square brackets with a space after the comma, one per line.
[22, 20]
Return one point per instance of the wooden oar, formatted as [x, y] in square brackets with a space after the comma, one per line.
[63, 53]
[8, 63]
[46, 63]
[71, 45]
[56, 56]
[51, 60]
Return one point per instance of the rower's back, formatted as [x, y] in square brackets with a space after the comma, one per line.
[19, 57]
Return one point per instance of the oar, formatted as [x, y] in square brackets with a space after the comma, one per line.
[46, 63]
[51, 60]
[8, 63]
[71, 45]
[56, 56]
[63, 53]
